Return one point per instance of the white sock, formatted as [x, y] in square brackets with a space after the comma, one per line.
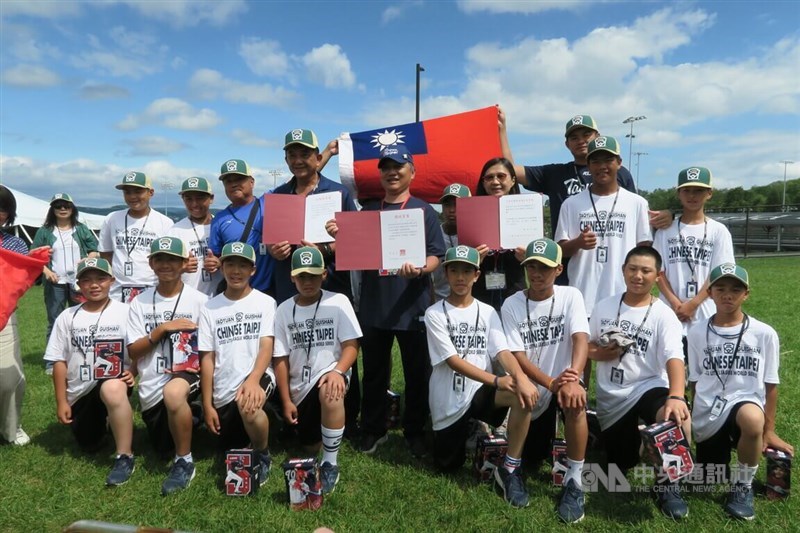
[187, 457]
[331, 439]
[574, 469]
[745, 474]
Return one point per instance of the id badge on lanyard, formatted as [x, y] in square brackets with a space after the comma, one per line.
[602, 254]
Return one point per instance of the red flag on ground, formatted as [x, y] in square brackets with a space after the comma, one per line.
[19, 273]
[450, 149]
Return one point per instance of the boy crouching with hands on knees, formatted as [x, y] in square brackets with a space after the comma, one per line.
[464, 337]
[316, 343]
[235, 342]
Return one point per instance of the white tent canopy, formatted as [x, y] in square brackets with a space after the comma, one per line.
[31, 212]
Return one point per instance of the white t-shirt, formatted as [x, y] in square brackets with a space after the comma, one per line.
[441, 289]
[195, 237]
[448, 403]
[628, 226]
[72, 336]
[141, 232]
[335, 323]
[66, 255]
[233, 331]
[681, 255]
[142, 319]
[756, 364]
[644, 366]
[546, 338]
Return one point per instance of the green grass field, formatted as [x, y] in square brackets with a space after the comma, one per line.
[49, 484]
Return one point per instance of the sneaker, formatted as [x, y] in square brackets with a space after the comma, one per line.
[670, 501]
[121, 471]
[180, 476]
[370, 443]
[329, 475]
[740, 502]
[501, 431]
[417, 446]
[264, 464]
[21, 438]
[48, 371]
[570, 508]
[512, 485]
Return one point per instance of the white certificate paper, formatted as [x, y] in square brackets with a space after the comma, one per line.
[521, 220]
[402, 238]
[321, 208]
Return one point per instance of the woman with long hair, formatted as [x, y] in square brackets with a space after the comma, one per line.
[70, 242]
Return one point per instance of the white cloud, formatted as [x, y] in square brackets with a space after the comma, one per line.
[249, 138]
[49, 10]
[172, 113]
[101, 91]
[524, 7]
[30, 76]
[264, 57]
[211, 84]
[187, 13]
[328, 65]
[24, 45]
[153, 146]
[128, 54]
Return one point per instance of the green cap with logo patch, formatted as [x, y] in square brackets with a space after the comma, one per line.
[307, 260]
[604, 144]
[729, 270]
[238, 249]
[694, 177]
[94, 263]
[62, 196]
[546, 251]
[580, 121]
[195, 184]
[135, 179]
[168, 246]
[455, 190]
[303, 137]
[232, 167]
[462, 254]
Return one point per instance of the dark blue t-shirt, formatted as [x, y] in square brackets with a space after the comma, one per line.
[228, 226]
[282, 275]
[393, 302]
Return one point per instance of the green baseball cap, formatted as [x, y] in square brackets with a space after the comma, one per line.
[62, 196]
[546, 251]
[94, 263]
[307, 260]
[304, 137]
[135, 179]
[455, 190]
[169, 246]
[694, 177]
[462, 254]
[604, 144]
[238, 249]
[234, 167]
[729, 270]
[580, 121]
[197, 185]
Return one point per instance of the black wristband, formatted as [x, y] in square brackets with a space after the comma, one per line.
[679, 398]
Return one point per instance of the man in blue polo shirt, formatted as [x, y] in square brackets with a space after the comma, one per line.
[234, 223]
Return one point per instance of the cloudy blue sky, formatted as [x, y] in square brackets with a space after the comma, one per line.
[91, 90]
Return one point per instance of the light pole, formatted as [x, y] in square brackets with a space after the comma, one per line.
[166, 185]
[783, 202]
[275, 173]
[419, 69]
[630, 120]
[638, 155]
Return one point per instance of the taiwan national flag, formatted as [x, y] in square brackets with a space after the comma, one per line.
[446, 150]
[19, 273]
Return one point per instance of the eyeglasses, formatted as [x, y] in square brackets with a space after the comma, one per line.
[62, 205]
[500, 176]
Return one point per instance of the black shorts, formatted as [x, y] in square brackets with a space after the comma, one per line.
[542, 431]
[716, 450]
[449, 444]
[89, 420]
[309, 417]
[157, 421]
[232, 433]
[622, 440]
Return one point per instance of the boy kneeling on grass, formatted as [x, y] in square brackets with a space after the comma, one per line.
[644, 380]
[464, 337]
[235, 341]
[733, 373]
[88, 405]
[316, 343]
[548, 333]
[158, 313]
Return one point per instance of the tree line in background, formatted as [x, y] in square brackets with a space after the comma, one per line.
[732, 199]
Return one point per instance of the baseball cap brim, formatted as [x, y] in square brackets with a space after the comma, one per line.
[121, 186]
[83, 271]
[301, 143]
[314, 271]
[695, 184]
[543, 260]
[166, 252]
[578, 126]
[732, 276]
